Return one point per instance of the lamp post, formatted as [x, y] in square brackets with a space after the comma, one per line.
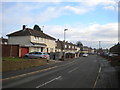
[64, 43]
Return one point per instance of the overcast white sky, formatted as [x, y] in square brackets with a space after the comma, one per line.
[88, 21]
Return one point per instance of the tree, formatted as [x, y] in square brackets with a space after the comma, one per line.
[79, 44]
[36, 27]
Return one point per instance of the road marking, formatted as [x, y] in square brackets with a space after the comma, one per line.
[73, 70]
[31, 73]
[67, 64]
[48, 82]
[97, 77]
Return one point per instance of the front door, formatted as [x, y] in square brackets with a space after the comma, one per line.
[41, 49]
[47, 50]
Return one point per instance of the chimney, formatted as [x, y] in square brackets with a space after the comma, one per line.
[24, 27]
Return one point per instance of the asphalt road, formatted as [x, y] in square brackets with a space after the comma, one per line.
[82, 72]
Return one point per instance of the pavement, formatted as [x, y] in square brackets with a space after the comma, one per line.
[84, 72]
[108, 77]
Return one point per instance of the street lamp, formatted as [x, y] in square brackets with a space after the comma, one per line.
[64, 42]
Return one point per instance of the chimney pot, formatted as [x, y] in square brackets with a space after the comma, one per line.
[24, 27]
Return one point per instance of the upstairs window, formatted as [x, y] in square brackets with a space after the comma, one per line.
[69, 46]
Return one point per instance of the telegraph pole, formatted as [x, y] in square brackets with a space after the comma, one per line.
[99, 44]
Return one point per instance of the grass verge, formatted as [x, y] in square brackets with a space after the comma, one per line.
[13, 63]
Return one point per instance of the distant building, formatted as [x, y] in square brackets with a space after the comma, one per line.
[85, 49]
[62, 46]
[3, 41]
[59, 46]
[115, 49]
[88, 50]
[70, 49]
[91, 51]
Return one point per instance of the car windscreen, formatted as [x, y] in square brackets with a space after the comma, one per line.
[32, 53]
[38, 53]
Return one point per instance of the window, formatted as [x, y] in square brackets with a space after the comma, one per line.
[32, 53]
[72, 46]
[36, 53]
[51, 49]
[69, 46]
[39, 53]
[34, 38]
[41, 39]
[35, 49]
[65, 46]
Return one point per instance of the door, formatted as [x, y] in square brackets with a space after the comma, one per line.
[24, 50]
[41, 49]
[47, 50]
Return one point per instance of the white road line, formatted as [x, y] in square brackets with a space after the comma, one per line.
[73, 70]
[97, 77]
[67, 63]
[49, 82]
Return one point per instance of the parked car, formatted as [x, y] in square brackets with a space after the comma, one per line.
[85, 55]
[37, 55]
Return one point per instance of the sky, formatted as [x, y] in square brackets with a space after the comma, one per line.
[88, 21]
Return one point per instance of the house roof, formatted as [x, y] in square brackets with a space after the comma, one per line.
[60, 45]
[31, 32]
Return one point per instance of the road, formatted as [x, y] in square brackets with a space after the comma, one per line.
[83, 72]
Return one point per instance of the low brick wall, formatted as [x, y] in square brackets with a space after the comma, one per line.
[16, 65]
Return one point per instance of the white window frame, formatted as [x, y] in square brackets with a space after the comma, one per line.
[65, 46]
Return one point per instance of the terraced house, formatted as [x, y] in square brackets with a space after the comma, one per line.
[68, 48]
[32, 40]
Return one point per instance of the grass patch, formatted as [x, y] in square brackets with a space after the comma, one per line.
[15, 63]
[13, 59]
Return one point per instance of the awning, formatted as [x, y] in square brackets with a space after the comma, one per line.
[38, 44]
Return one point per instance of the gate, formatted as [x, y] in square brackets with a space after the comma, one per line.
[24, 50]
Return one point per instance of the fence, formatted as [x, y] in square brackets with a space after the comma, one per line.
[10, 50]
